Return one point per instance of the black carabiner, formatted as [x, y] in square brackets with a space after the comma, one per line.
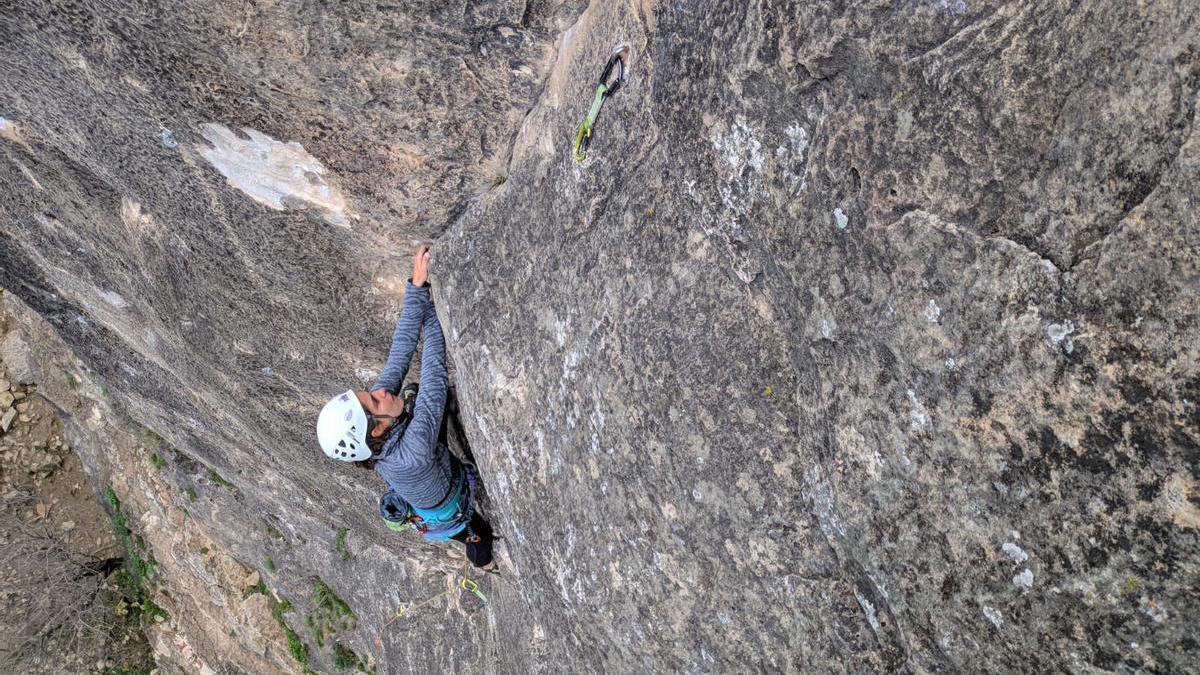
[619, 63]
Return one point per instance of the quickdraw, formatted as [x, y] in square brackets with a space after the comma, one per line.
[583, 139]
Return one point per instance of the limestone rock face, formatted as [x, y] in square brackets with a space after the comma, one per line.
[864, 339]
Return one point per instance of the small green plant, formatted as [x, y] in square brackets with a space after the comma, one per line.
[318, 634]
[191, 494]
[260, 587]
[1132, 585]
[341, 543]
[344, 658]
[220, 480]
[203, 550]
[296, 646]
[158, 462]
[133, 578]
[332, 615]
[499, 180]
[272, 531]
[72, 384]
[151, 439]
[327, 600]
[270, 565]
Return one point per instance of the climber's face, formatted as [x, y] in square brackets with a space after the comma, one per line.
[382, 406]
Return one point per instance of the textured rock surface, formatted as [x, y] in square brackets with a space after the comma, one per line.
[864, 339]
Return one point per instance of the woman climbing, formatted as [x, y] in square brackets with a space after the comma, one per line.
[398, 430]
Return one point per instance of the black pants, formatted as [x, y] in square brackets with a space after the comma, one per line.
[480, 552]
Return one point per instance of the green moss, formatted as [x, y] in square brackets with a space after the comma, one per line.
[1131, 586]
[72, 384]
[260, 587]
[151, 439]
[111, 497]
[296, 646]
[282, 607]
[316, 630]
[158, 462]
[272, 531]
[341, 543]
[153, 612]
[203, 550]
[220, 480]
[270, 564]
[191, 494]
[132, 579]
[327, 600]
[344, 658]
[499, 180]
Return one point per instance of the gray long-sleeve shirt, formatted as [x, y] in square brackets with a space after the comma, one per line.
[412, 461]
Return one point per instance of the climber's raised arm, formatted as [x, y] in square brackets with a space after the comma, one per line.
[421, 437]
[408, 328]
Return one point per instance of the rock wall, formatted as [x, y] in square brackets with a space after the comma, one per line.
[863, 339]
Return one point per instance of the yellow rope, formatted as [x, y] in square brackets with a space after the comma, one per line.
[464, 583]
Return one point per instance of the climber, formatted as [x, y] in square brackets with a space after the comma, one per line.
[397, 431]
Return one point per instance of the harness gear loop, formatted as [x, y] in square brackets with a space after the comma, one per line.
[583, 139]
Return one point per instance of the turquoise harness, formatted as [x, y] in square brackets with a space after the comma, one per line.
[440, 522]
[448, 518]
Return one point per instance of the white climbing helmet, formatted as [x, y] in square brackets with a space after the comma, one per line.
[342, 428]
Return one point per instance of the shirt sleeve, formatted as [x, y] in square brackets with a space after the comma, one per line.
[404, 338]
[421, 437]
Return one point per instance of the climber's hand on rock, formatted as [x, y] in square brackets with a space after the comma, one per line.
[420, 265]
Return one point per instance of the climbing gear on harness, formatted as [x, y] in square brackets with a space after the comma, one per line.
[440, 523]
[342, 428]
[465, 583]
[583, 139]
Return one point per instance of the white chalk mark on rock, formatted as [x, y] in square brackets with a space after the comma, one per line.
[167, 139]
[1060, 333]
[994, 616]
[793, 154]
[739, 147]
[827, 329]
[278, 175]
[1015, 552]
[840, 218]
[932, 311]
[113, 298]
[867, 609]
[1025, 578]
[919, 417]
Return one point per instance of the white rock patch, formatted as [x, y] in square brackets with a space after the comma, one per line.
[1025, 578]
[994, 616]
[1015, 552]
[840, 218]
[932, 311]
[278, 175]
